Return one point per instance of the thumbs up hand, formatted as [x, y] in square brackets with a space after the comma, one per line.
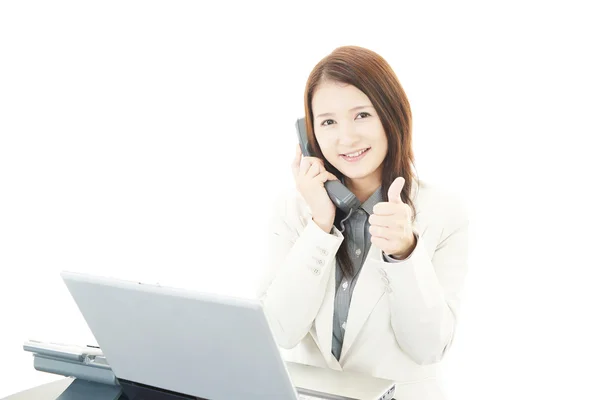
[391, 224]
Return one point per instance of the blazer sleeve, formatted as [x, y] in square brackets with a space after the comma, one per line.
[293, 281]
[424, 291]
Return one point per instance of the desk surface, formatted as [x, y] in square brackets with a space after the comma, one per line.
[47, 391]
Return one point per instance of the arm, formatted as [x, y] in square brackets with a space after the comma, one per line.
[424, 292]
[294, 281]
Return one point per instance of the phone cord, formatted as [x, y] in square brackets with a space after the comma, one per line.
[344, 220]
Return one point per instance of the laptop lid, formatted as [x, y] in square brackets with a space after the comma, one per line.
[205, 345]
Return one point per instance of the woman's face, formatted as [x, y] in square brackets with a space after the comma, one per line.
[349, 132]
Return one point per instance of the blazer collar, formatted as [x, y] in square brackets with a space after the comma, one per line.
[368, 291]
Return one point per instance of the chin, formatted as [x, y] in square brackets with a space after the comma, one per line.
[354, 174]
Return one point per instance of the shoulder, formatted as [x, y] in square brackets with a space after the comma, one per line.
[442, 204]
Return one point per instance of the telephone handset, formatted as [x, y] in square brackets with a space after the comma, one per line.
[339, 194]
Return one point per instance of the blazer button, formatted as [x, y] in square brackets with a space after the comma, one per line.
[316, 271]
[323, 251]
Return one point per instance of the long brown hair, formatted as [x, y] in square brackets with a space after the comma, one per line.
[371, 74]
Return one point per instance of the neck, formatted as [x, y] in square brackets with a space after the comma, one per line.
[363, 188]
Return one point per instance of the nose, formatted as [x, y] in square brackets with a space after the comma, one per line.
[348, 135]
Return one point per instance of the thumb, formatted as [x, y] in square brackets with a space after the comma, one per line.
[395, 190]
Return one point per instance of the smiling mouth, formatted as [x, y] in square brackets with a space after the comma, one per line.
[356, 153]
[355, 156]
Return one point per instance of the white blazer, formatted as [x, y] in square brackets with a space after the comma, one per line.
[402, 316]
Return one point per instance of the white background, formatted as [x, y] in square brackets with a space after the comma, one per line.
[146, 139]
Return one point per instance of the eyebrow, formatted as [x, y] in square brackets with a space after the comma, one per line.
[352, 109]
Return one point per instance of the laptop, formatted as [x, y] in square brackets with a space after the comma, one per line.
[185, 344]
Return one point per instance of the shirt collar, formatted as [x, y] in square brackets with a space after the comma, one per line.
[375, 198]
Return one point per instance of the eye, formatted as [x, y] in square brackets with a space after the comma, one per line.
[366, 114]
[324, 123]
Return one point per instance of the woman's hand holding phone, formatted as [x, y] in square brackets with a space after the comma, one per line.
[310, 176]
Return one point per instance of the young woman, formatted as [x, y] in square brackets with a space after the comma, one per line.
[376, 291]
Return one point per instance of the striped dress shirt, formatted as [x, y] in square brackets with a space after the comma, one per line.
[355, 229]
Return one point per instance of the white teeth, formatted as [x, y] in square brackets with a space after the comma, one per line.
[358, 153]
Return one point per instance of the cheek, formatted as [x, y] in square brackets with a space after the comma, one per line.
[383, 146]
[325, 145]
[382, 142]
[377, 139]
